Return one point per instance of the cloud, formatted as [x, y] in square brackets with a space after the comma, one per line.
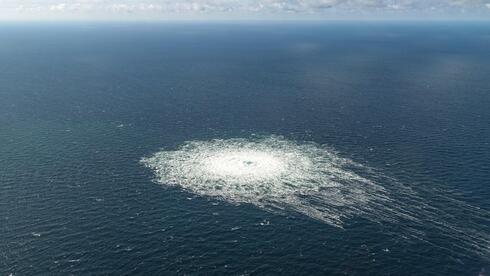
[243, 8]
[131, 8]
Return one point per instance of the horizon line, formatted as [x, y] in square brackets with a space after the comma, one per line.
[232, 20]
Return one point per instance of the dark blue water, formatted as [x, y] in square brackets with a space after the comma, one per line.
[81, 104]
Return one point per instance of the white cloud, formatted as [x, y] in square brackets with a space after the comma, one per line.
[59, 7]
[242, 8]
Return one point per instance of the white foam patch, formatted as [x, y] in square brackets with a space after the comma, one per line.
[271, 173]
[280, 175]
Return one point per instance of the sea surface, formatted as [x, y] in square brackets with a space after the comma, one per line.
[82, 104]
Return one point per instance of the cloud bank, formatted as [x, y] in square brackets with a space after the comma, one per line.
[252, 9]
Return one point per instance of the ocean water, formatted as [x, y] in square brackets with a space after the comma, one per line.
[366, 148]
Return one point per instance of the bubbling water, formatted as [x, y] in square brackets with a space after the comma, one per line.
[247, 164]
[272, 173]
[284, 176]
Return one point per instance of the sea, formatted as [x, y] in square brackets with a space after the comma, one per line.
[84, 104]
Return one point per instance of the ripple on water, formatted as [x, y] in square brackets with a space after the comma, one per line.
[280, 175]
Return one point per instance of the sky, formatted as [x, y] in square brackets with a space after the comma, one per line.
[242, 9]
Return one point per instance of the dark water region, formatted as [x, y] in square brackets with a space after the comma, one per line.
[82, 103]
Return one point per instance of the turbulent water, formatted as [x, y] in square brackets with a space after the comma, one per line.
[272, 173]
[281, 175]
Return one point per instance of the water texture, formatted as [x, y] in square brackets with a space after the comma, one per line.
[245, 148]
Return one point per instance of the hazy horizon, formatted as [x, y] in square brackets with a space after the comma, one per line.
[157, 10]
